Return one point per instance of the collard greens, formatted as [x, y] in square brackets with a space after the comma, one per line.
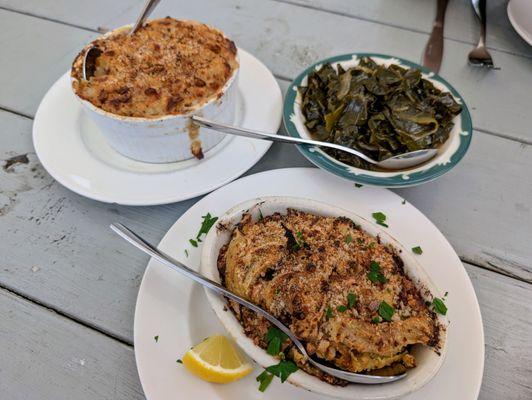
[381, 111]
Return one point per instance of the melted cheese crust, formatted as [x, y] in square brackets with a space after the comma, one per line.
[167, 67]
[298, 266]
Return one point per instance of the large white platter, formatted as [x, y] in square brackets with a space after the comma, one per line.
[175, 309]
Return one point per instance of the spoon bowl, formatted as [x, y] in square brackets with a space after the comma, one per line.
[93, 52]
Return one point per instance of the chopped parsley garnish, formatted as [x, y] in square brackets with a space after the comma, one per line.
[375, 274]
[341, 308]
[264, 379]
[371, 245]
[186, 252]
[329, 313]
[261, 217]
[193, 242]
[348, 239]
[417, 250]
[380, 218]
[206, 225]
[386, 311]
[283, 369]
[351, 300]
[446, 293]
[179, 361]
[156, 338]
[358, 185]
[376, 320]
[300, 242]
[275, 338]
[439, 306]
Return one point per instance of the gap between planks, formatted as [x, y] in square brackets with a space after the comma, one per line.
[292, 3]
[374, 21]
[68, 316]
[288, 80]
[57, 21]
[494, 269]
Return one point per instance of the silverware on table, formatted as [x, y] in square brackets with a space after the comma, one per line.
[434, 50]
[93, 52]
[479, 56]
[400, 161]
[168, 261]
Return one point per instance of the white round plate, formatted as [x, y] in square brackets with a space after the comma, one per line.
[520, 16]
[74, 152]
[176, 310]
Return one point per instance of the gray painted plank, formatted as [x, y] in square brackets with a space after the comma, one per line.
[77, 265]
[505, 305]
[483, 206]
[461, 24]
[499, 100]
[46, 356]
[38, 52]
[460, 21]
[67, 267]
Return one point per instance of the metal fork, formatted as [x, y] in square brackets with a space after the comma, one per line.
[479, 56]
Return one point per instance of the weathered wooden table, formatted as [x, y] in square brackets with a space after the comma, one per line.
[68, 286]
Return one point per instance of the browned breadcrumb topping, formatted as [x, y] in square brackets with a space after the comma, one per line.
[167, 67]
[307, 285]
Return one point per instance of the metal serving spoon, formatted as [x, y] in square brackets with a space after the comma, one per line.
[94, 52]
[479, 56]
[400, 161]
[165, 259]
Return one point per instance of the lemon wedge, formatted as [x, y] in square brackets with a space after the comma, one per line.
[217, 359]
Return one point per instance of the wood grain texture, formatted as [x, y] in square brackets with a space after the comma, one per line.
[415, 15]
[38, 52]
[82, 267]
[505, 305]
[46, 356]
[57, 250]
[76, 264]
[461, 24]
[498, 100]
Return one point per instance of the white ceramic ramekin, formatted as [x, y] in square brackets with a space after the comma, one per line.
[428, 361]
[163, 139]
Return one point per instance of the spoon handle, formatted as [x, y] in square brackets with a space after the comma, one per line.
[165, 259]
[148, 8]
[483, 21]
[233, 130]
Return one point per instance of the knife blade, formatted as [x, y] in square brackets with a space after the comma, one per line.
[434, 50]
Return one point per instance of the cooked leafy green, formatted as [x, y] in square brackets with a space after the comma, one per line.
[381, 111]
